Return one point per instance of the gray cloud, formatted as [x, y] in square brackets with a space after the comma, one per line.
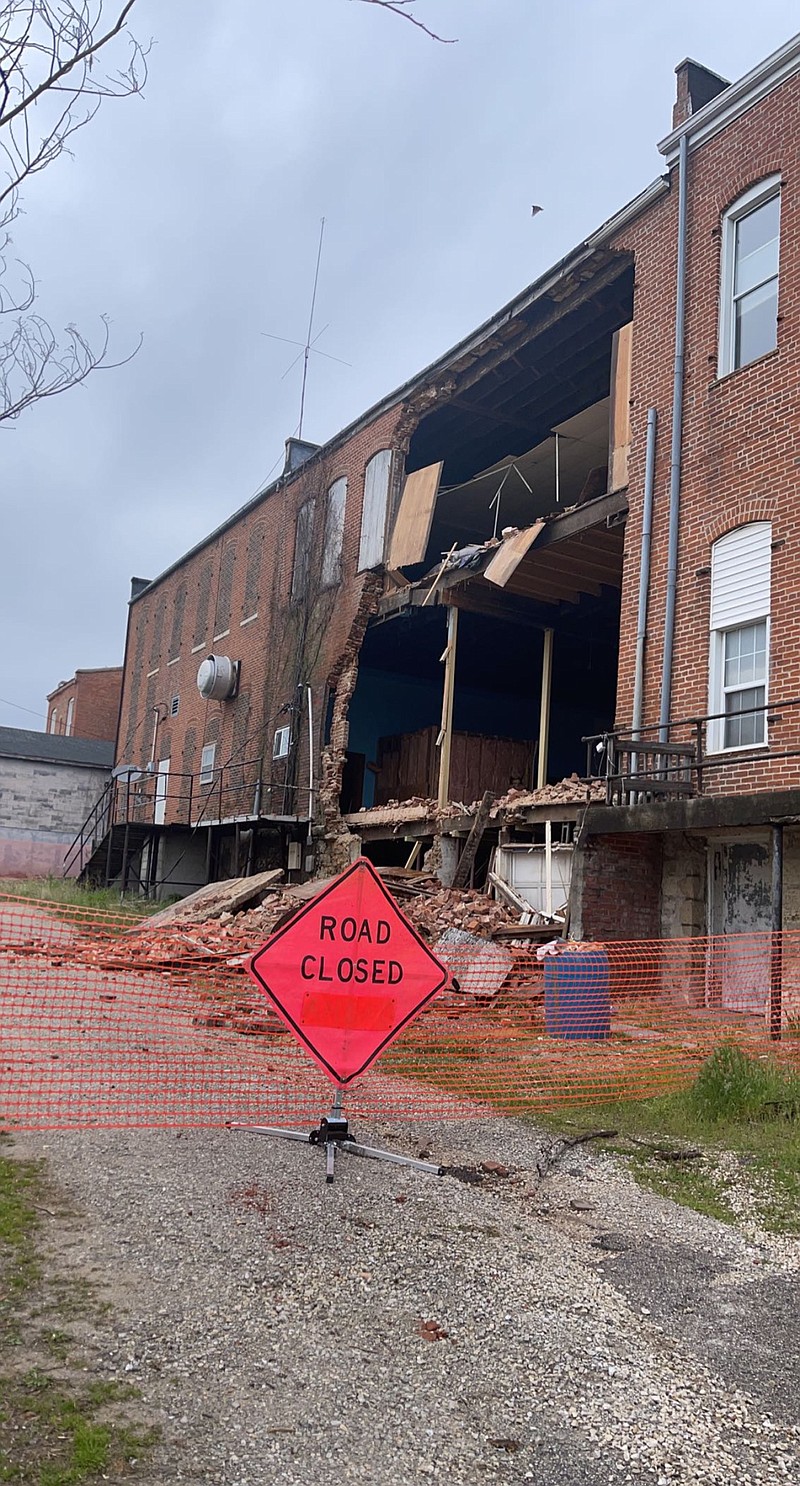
[192, 215]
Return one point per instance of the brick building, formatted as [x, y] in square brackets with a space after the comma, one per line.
[86, 706]
[577, 523]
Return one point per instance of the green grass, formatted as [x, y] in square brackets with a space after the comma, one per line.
[737, 1106]
[54, 1431]
[67, 892]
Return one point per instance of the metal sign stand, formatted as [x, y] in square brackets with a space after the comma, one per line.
[333, 1133]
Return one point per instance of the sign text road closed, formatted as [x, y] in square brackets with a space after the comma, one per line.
[348, 973]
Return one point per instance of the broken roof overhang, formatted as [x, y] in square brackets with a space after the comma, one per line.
[554, 561]
[587, 259]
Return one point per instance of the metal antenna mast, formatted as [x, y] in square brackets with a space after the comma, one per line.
[307, 347]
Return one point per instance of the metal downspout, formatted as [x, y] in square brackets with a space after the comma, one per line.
[677, 440]
[644, 569]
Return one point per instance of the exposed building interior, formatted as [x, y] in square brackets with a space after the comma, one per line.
[513, 517]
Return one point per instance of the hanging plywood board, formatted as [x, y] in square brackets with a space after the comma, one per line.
[509, 555]
[414, 517]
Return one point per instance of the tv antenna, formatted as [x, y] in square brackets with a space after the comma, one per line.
[309, 344]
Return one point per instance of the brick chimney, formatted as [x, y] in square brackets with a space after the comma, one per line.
[696, 87]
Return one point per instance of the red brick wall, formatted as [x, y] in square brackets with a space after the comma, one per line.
[621, 887]
[96, 704]
[289, 643]
[741, 437]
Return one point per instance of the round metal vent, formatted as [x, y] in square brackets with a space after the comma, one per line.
[217, 678]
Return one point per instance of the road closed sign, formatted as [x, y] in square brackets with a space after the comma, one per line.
[348, 973]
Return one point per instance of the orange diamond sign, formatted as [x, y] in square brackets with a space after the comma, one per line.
[348, 973]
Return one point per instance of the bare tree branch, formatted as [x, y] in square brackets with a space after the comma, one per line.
[50, 87]
[403, 8]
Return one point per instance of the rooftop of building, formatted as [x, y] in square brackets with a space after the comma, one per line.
[55, 748]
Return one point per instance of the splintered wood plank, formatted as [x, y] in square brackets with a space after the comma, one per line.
[508, 557]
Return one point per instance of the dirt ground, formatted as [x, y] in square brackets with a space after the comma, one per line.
[543, 1322]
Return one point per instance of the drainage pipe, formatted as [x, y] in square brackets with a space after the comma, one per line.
[644, 570]
[677, 440]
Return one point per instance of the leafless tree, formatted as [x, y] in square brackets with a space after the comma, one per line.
[59, 60]
[405, 8]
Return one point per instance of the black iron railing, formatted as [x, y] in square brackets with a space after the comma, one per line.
[674, 762]
[146, 799]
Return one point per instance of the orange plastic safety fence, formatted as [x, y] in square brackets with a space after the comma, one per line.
[106, 1022]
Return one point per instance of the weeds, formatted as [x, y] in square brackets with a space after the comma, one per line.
[69, 893]
[743, 1114]
[53, 1432]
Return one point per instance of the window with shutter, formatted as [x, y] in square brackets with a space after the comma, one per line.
[739, 649]
[375, 510]
[302, 549]
[334, 533]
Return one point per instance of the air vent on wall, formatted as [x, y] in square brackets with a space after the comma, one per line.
[218, 678]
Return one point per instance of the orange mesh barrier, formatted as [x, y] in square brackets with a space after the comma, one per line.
[106, 1023]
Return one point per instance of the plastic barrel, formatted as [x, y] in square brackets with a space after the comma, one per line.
[577, 1003]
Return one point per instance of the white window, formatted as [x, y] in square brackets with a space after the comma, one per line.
[739, 652]
[374, 510]
[334, 532]
[207, 757]
[70, 715]
[174, 706]
[748, 321]
[53, 720]
[281, 743]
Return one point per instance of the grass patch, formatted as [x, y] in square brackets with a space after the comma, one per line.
[54, 1431]
[21, 1184]
[51, 1437]
[71, 894]
[742, 1118]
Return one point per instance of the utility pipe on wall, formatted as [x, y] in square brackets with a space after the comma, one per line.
[677, 440]
[644, 569]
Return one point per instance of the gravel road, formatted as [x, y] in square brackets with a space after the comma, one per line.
[580, 1332]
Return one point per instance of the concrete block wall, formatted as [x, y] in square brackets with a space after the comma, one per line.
[42, 808]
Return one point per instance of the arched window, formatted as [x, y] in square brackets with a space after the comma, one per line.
[739, 651]
[252, 581]
[375, 510]
[222, 619]
[203, 601]
[748, 312]
[334, 532]
[178, 608]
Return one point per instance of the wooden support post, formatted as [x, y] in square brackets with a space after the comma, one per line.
[776, 942]
[445, 738]
[467, 859]
[544, 710]
[548, 867]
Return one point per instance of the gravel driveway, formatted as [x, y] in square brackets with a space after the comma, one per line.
[580, 1332]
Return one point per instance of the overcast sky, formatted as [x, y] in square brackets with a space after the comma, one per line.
[192, 215]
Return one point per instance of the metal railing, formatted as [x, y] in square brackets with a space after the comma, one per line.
[639, 767]
[147, 800]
